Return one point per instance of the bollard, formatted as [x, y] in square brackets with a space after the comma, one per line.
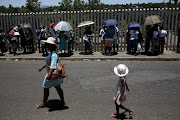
[178, 43]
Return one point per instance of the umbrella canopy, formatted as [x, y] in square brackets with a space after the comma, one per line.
[153, 19]
[25, 25]
[62, 26]
[134, 25]
[110, 22]
[51, 24]
[85, 23]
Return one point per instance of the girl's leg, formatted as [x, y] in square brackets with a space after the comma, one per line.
[117, 108]
[127, 109]
[61, 94]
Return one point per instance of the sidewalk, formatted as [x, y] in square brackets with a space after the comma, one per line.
[167, 56]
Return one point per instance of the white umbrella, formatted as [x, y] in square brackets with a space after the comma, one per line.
[153, 19]
[85, 23]
[62, 26]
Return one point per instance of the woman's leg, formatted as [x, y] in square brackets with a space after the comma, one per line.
[46, 95]
[45, 98]
[61, 93]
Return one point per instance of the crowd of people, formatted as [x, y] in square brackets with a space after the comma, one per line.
[155, 37]
[17, 38]
[63, 38]
[109, 35]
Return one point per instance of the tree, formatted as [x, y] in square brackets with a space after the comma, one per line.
[33, 5]
[3, 9]
[79, 5]
[175, 1]
[66, 5]
[94, 4]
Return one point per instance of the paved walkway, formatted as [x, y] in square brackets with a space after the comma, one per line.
[167, 56]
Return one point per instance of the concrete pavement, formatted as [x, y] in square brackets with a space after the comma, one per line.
[167, 56]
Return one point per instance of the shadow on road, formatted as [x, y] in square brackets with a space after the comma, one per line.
[54, 105]
[122, 116]
[65, 54]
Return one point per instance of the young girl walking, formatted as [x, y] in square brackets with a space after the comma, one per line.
[121, 70]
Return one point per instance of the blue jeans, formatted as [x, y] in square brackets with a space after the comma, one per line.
[153, 42]
[133, 45]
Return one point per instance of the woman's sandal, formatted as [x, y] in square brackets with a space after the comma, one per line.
[130, 115]
[41, 105]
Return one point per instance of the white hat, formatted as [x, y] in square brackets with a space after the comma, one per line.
[50, 40]
[121, 70]
[15, 28]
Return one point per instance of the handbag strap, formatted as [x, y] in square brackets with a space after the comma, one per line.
[57, 59]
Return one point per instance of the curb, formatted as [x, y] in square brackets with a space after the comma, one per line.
[97, 59]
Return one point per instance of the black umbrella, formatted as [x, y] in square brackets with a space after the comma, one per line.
[24, 26]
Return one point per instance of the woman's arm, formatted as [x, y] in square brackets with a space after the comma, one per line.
[53, 67]
[50, 74]
[42, 68]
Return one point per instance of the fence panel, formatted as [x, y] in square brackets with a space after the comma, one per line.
[170, 16]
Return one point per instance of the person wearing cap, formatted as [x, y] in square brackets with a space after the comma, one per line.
[121, 71]
[52, 31]
[51, 60]
[14, 39]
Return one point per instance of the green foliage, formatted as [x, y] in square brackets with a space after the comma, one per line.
[66, 5]
[94, 4]
[33, 5]
[77, 5]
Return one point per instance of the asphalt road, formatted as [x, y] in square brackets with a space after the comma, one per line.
[154, 91]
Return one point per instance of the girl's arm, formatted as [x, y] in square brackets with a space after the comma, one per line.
[127, 88]
[42, 68]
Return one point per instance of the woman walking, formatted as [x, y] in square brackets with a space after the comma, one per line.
[51, 60]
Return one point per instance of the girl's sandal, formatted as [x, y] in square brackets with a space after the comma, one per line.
[130, 115]
[113, 115]
[41, 105]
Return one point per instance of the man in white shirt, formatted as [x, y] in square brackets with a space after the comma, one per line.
[101, 34]
[133, 40]
[115, 39]
[162, 35]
